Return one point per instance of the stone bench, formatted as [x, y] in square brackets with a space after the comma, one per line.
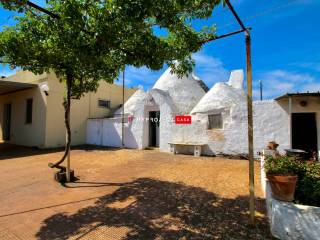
[196, 147]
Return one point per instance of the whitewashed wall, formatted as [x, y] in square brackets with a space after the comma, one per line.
[174, 96]
[271, 123]
[107, 132]
[94, 131]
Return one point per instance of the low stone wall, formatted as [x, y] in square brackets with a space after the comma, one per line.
[289, 220]
[292, 221]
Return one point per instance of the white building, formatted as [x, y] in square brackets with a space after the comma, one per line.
[219, 118]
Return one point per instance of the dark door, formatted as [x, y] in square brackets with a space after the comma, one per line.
[304, 132]
[154, 123]
[6, 121]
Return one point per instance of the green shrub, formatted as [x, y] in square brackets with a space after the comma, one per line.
[283, 165]
[308, 184]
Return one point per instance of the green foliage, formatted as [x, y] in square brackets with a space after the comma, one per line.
[94, 40]
[17, 5]
[308, 184]
[283, 165]
[85, 41]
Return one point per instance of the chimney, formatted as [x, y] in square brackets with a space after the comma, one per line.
[236, 79]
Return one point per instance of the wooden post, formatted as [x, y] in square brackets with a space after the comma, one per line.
[260, 85]
[122, 124]
[250, 129]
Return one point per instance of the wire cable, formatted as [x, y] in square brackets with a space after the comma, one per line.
[263, 13]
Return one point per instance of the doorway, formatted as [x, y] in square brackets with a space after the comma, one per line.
[304, 132]
[6, 121]
[154, 124]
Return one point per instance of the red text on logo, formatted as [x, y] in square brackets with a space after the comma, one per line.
[183, 119]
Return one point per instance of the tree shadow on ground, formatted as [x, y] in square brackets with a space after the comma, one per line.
[154, 209]
[9, 151]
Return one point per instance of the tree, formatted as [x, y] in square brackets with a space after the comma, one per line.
[90, 40]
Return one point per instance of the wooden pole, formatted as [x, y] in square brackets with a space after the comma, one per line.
[250, 129]
[250, 118]
[261, 89]
[122, 130]
[41, 9]
[225, 35]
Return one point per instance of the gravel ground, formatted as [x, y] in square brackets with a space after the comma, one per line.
[127, 194]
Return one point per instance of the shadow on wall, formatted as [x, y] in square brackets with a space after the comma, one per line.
[153, 209]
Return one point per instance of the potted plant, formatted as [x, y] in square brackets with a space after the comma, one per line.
[281, 173]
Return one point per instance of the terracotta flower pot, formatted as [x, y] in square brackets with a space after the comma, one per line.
[283, 186]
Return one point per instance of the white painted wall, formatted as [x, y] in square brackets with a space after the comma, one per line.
[94, 131]
[270, 118]
[271, 123]
[107, 132]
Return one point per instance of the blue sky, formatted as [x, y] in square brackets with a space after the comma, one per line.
[285, 47]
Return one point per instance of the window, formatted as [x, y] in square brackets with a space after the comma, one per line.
[104, 103]
[29, 104]
[215, 121]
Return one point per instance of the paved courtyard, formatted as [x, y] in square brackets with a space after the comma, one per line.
[126, 194]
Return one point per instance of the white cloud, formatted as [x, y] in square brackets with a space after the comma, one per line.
[210, 69]
[288, 76]
[309, 65]
[140, 76]
[278, 82]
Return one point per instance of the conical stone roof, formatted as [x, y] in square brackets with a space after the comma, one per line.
[185, 92]
[133, 103]
[220, 96]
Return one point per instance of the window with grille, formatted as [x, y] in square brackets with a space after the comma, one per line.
[29, 104]
[104, 103]
[215, 121]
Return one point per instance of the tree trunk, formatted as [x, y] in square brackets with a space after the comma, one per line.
[67, 107]
[67, 123]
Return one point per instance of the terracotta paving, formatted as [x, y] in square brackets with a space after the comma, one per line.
[126, 194]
